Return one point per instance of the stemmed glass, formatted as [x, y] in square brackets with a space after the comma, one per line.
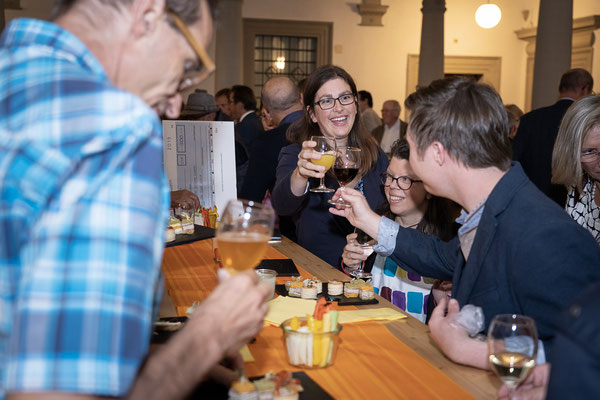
[345, 168]
[327, 159]
[242, 235]
[512, 348]
[365, 242]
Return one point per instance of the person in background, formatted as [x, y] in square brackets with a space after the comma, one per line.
[393, 127]
[537, 132]
[243, 111]
[281, 100]
[222, 101]
[409, 204]
[516, 252]
[331, 110]
[301, 85]
[576, 162]
[514, 117]
[84, 204]
[369, 117]
[200, 106]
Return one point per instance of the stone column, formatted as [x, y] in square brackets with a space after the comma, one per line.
[229, 41]
[431, 58]
[552, 50]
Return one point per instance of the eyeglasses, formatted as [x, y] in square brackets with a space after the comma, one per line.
[403, 182]
[327, 103]
[589, 155]
[206, 67]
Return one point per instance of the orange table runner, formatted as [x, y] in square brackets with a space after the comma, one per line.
[191, 272]
[370, 363]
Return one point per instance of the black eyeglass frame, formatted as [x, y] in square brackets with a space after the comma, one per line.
[339, 99]
[385, 175]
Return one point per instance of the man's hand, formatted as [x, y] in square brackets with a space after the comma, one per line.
[184, 199]
[453, 339]
[360, 214]
[237, 307]
[532, 388]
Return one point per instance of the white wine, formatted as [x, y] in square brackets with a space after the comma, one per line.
[512, 368]
[241, 250]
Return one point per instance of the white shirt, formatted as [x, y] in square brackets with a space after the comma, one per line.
[390, 135]
[244, 116]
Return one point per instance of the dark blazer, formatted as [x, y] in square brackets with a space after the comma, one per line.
[264, 156]
[249, 129]
[575, 363]
[378, 132]
[317, 230]
[534, 143]
[528, 257]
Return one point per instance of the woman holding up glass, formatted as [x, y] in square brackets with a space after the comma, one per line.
[330, 97]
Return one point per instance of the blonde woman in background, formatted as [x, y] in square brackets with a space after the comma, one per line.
[576, 162]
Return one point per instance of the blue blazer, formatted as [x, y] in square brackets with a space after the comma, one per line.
[317, 230]
[528, 256]
[249, 129]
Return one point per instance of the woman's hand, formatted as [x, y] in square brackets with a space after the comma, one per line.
[306, 169]
[360, 214]
[353, 255]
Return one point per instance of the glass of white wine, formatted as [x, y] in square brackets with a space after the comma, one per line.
[243, 232]
[327, 159]
[512, 347]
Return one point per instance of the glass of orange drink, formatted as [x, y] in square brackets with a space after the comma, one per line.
[327, 159]
[243, 233]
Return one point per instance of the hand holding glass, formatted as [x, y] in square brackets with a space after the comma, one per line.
[327, 159]
[345, 168]
[242, 235]
[512, 347]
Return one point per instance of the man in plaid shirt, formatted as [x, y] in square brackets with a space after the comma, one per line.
[84, 203]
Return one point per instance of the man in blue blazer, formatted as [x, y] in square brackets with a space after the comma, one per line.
[516, 252]
[243, 111]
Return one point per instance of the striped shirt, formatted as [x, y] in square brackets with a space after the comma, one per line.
[83, 206]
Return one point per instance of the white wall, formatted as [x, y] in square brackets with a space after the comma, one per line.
[376, 57]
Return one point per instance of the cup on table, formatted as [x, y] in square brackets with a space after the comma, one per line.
[267, 276]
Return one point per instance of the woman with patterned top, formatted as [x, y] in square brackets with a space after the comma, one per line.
[576, 162]
[412, 207]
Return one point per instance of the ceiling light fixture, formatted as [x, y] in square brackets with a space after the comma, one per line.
[488, 15]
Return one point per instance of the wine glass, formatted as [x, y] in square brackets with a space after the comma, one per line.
[345, 168]
[327, 159]
[512, 348]
[242, 234]
[365, 242]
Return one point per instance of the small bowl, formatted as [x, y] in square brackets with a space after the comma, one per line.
[301, 350]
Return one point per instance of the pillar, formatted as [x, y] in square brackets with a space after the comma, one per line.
[431, 58]
[552, 50]
[229, 41]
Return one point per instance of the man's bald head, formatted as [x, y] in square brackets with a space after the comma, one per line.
[280, 96]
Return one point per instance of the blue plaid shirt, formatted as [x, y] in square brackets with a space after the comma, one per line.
[83, 207]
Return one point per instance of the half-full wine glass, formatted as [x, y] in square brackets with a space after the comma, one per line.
[345, 169]
[327, 159]
[512, 347]
[242, 234]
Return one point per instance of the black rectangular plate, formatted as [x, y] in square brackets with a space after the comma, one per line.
[311, 389]
[284, 266]
[200, 233]
[342, 300]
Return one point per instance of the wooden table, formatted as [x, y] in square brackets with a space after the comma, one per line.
[413, 333]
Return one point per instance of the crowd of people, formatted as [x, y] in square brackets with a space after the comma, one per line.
[470, 202]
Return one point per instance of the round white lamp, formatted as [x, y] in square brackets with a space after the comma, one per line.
[488, 15]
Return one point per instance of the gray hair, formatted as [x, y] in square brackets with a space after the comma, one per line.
[578, 121]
